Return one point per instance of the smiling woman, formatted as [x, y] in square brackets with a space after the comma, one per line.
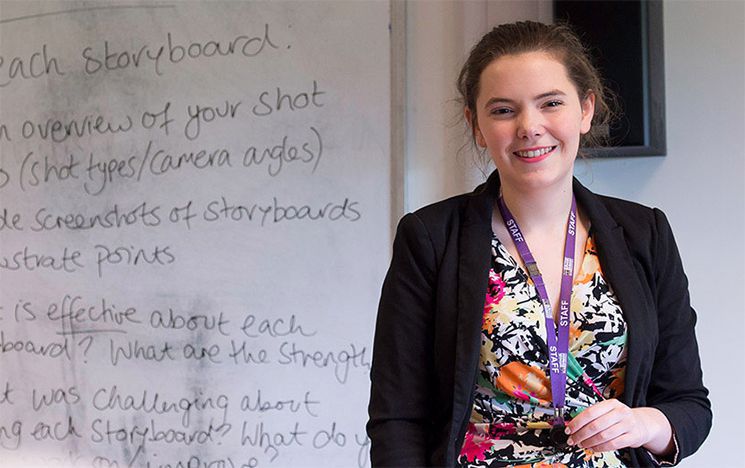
[529, 111]
[533, 322]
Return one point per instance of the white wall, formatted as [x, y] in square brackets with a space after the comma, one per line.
[435, 42]
[699, 184]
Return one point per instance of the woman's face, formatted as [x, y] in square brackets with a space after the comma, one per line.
[530, 118]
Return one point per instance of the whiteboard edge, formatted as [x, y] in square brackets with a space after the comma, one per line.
[398, 110]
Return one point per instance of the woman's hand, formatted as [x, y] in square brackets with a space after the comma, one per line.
[611, 425]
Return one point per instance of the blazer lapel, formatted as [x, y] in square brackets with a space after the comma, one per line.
[618, 268]
[473, 276]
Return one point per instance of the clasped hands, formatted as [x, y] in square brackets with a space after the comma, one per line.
[611, 425]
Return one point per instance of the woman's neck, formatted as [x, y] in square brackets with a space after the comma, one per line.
[539, 210]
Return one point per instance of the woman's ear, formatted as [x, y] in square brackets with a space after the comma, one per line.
[588, 111]
[474, 125]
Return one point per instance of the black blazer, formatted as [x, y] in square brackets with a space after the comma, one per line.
[427, 337]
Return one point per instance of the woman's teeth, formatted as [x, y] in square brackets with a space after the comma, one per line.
[534, 153]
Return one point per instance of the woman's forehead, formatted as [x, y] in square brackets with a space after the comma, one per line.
[524, 74]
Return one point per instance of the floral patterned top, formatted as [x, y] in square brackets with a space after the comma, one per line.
[512, 406]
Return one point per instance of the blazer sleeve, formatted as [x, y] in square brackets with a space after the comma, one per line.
[402, 366]
[676, 385]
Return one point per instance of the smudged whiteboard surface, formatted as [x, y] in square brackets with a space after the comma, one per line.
[194, 226]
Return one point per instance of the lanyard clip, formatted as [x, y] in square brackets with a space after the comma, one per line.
[533, 270]
[558, 416]
[557, 434]
[568, 266]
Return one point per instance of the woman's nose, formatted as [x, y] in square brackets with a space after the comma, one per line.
[530, 124]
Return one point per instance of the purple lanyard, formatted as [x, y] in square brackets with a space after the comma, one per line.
[558, 346]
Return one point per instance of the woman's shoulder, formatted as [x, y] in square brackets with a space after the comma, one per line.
[452, 213]
[626, 210]
[466, 215]
[443, 210]
[634, 217]
[646, 229]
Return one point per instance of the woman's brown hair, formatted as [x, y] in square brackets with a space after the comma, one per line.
[559, 41]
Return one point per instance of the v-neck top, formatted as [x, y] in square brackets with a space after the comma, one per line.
[512, 405]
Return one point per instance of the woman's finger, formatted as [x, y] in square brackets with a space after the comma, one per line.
[618, 428]
[620, 442]
[604, 436]
[590, 426]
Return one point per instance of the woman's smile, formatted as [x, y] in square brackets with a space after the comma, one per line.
[534, 155]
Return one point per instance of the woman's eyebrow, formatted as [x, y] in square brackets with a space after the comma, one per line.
[552, 93]
[500, 100]
[497, 100]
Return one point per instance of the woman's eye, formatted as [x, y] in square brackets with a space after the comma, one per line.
[553, 103]
[501, 111]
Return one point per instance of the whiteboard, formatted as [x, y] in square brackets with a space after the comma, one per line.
[195, 220]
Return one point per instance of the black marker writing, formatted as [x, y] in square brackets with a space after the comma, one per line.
[191, 322]
[278, 327]
[206, 114]
[5, 394]
[54, 396]
[58, 431]
[260, 404]
[135, 350]
[271, 441]
[53, 349]
[109, 432]
[109, 218]
[37, 65]
[132, 256]
[270, 102]
[10, 221]
[152, 402]
[11, 435]
[58, 131]
[241, 354]
[67, 261]
[340, 361]
[108, 58]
